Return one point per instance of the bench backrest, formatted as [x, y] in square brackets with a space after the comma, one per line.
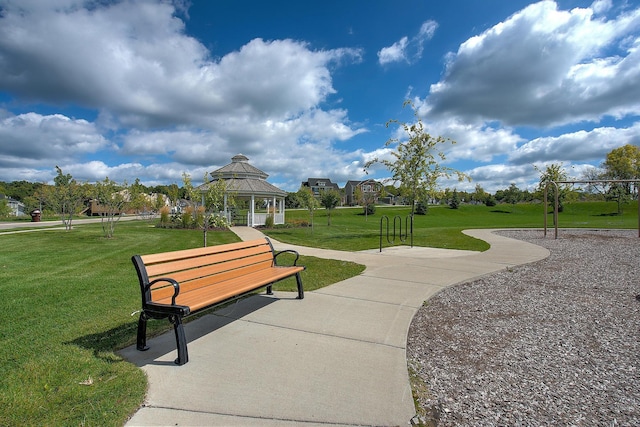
[194, 268]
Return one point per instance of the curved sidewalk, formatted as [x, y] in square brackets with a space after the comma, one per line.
[335, 358]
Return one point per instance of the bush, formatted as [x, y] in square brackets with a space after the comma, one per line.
[421, 208]
[490, 201]
[164, 216]
[269, 221]
[369, 209]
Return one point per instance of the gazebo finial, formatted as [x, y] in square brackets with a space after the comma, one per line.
[239, 158]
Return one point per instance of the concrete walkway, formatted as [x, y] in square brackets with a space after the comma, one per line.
[338, 357]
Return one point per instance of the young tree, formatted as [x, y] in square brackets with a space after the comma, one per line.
[173, 192]
[308, 201]
[329, 199]
[554, 172]
[66, 197]
[367, 200]
[454, 201]
[416, 162]
[113, 200]
[207, 202]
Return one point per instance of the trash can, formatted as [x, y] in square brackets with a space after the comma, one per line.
[35, 215]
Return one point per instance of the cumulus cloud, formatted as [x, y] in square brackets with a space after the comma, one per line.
[33, 140]
[576, 146]
[545, 67]
[134, 60]
[405, 50]
[159, 91]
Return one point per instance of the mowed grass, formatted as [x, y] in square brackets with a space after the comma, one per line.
[69, 301]
[441, 227]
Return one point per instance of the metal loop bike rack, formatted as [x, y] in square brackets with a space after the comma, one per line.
[397, 220]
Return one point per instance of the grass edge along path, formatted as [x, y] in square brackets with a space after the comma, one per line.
[70, 301]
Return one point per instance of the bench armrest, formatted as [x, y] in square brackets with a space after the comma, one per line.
[291, 251]
[175, 284]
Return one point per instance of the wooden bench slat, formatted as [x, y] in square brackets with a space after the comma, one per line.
[193, 279]
[212, 294]
[220, 260]
[151, 259]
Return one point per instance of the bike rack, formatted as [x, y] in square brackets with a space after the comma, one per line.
[408, 229]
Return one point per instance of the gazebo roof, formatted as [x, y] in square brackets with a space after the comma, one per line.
[245, 179]
[239, 168]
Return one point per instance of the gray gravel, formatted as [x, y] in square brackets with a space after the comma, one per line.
[553, 343]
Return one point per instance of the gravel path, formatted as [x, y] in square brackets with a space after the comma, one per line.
[554, 343]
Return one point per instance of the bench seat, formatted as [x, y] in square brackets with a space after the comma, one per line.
[179, 283]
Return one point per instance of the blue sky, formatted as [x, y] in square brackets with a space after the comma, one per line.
[153, 89]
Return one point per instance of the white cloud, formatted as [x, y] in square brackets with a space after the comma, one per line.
[160, 92]
[394, 53]
[34, 140]
[134, 61]
[577, 146]
[405, 50]
[544, 67]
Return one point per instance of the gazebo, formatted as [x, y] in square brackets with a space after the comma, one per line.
[246, 182]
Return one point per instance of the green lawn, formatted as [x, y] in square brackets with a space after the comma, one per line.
[70, 298]
[442, 226]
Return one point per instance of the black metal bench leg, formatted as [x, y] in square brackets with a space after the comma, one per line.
[142, 332]
[269, 290]
[300, 290]
[181, 340]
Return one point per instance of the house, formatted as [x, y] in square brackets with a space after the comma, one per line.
[370, 188]
[320, 184]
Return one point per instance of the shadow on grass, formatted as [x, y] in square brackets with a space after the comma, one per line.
[104, 342]
[115, 340]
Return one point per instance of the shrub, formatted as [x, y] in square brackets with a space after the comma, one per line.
[369, 209]
[164, 216]
[421, 208]
[186, 218]
[269, 221]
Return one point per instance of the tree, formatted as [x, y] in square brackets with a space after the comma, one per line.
[308, 201]
[66, 197]
[415, 165]
[366, 199]
[113, 199]
[329, 199]
[622, 163]
[479, 195]
[512, 195]
[554, 173]
[173, 192]
[5, 210]
[454, 202]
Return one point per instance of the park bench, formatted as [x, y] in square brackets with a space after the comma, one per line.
[180, 283]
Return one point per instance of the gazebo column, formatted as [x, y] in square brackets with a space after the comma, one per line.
[252, 211]
[281, 208]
